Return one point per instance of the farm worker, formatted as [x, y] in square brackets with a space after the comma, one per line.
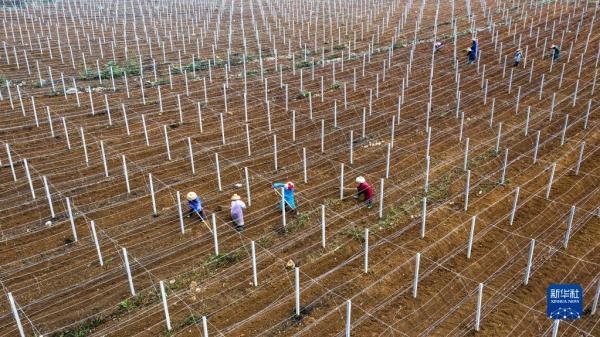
[437, 46]
[470, 56]
[364, 191]
[237, 211]
[195, 205]
[288, 195]
[474, 46]
[555, 52]
[518, 57]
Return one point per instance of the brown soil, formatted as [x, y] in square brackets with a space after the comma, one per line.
[62, 290]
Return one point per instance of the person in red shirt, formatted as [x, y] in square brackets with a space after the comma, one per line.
[364, 191]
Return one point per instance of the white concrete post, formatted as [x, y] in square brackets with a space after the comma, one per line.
[48, 196]
[125, 174]
[569, 227]
[71, 219]
[13, 307]
[215, 236]
[297, 288]
[478, 312]
[218, 172]
[366, 266]
[96, 242]
[254, 276]
[515, 204]
[128, 270]
[381, 198]
[180, 213]
[29, 181]
[529, 262]
[423, 217]
[163, 295]
[348, 317]
[154, 211]
[550, 180]
[416, 278]
[191, 153]
[471, 234]
[247, 179]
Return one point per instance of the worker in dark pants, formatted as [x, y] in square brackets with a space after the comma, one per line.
[471, 56]
[195, 205]
[472, 51]
[474, 46]
[555, 52]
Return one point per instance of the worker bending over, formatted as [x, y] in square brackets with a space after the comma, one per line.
[288, 196]
[555, 52]
[195, 205]
[364, 191]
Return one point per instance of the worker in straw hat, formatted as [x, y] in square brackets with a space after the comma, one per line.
[288, 200]
[364, 191]
[237, 211]
[195, 205]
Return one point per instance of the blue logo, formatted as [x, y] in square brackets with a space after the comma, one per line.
[564, 301]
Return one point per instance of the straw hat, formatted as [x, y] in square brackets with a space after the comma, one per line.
[553, 46]
[290, 185]
[235, 197]
[360, 179]
[192, 196]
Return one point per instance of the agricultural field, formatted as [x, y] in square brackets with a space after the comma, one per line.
[485, 174]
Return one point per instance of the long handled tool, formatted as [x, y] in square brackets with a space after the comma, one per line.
[282, 197]
[204, 221]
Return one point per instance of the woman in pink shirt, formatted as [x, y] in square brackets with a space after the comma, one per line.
[364, 191]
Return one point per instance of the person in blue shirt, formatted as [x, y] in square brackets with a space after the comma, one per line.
[288, 195]
[470, 56]
[472, 52]
[195, 205]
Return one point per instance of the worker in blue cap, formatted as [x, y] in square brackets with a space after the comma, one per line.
[288, 196]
